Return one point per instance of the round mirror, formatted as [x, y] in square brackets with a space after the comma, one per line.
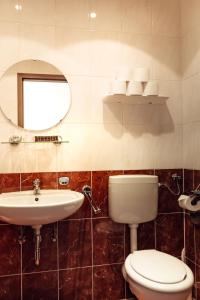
[34, 95]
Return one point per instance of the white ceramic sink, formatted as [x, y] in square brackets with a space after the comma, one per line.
[25, 208]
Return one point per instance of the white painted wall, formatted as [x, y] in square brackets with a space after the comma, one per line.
[143, 33]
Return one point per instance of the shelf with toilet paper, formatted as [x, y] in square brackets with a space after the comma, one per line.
[134, 86]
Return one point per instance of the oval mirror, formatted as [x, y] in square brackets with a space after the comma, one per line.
[34, 95]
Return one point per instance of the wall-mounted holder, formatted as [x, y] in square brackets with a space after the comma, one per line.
[55, 139]
[191, 203]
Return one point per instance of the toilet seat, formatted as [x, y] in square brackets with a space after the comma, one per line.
[158, 266]
[158, 271]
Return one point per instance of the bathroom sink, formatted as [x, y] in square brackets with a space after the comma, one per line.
[25, 208]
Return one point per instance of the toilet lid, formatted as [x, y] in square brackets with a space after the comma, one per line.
[158, 266]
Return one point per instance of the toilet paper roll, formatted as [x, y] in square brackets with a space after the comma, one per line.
[124, 74]
[151, 88]
[141, 74]
[185, 202]
[134, 88]
[118, 87]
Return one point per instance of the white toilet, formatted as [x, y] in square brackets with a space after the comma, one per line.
[151, 274]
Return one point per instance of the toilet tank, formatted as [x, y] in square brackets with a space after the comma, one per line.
[133, 199]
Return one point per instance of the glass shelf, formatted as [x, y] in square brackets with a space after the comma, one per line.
[33, 142]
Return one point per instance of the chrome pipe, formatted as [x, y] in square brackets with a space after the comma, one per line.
[87, 192]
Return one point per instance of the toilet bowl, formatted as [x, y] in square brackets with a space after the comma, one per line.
[154, 275]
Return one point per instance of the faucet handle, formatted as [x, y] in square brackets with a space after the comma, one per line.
[36, 181]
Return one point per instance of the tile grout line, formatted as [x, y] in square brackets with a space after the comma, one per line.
[58, 265]
[91, 222]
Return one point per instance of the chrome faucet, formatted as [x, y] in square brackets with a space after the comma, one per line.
[36, 186]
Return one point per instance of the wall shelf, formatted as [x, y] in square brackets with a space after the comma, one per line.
[135, 99]
[56, 143]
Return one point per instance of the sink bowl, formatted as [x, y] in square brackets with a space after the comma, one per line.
[25, 208]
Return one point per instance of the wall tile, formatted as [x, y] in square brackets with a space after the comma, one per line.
[72, 50]
[104, 52]
[167, 63]
[48, 250]
[9, 183]
[167, 202]
[190, 15]
[40, 286]
[139, 147]
[192, 266]
[188, 180]
[166, 17]
[190, 158]
[140, 172]
[36, 41]
[106, 279]
[190, 53]
[9, 44]
[75, 155]
[165, 225]
[137, 16]
[76, 182]
[48, 180]
[10, 250]
[146, 236]
[100, 190]
[75, 244]
[197, 244]
[108, 242]
[75, 284]
[72, 14]
[38, 12]
[189, 238]
[109, 15]
[8, 293]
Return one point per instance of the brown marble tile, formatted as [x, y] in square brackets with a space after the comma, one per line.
[75, 244]
[197, 272]
[9, 183]
[10, 287]
[127, 241]
[197, 245]
[48, 250]
[108, 283]
[48, 180]
[10, 250]
[75, 284]
[188, 180]
[108, 242]
[189, 238]
[43, 286]
[76, 182]
[169, 233]
[140, 172]
[146, 236]
[100, 190]
[166, 201]
[198, 291]
[192, 266]
[196, 178]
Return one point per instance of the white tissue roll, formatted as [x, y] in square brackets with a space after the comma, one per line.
[118, 87]
[185, 202]
[124, 74]
[151, 88]
[134, 88]
[141, 74]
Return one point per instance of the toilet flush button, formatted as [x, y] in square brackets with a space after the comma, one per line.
[151, 263]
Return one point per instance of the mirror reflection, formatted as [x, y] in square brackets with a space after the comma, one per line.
[34, 95]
